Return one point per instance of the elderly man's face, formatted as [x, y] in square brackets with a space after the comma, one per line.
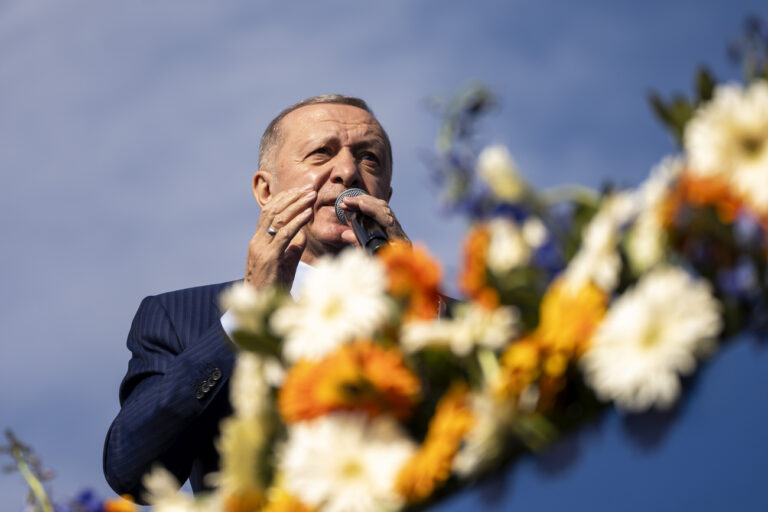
[333, 147]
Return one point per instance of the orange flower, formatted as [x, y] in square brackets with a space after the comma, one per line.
[708, 191]
[414, 276]
[431, 465]
[124, 503]
[702, 191]
[360, 376]
[473, 279]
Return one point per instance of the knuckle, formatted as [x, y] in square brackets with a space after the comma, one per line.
[279, 220]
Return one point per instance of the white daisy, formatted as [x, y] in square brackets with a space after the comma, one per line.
[646, 242]
[248, 389]
[507, 248]
[472, 326]
[484, 442]
[728, 137]
[534, 232]
[243, 435]
[162, 492]
[343, 462]
[496, 167]
[650, 335]
[241, 444]
[342, 299]
[646, 239]
[597, 260]
[250, 307]
[656, 187]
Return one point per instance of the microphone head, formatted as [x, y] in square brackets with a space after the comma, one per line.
[350, 192]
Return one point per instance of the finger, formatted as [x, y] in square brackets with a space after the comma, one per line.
[349, 237]
[375, 208]
[378, 210]
[291, 210]
[280, 201]
[287, 233]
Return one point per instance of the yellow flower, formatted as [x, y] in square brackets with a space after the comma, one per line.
[362, 376]
[414, 275]
[280, 500]
[244, 501]
[431, 465]
[520, 366]
[567, 319]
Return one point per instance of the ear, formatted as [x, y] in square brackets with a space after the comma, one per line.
[262, 187]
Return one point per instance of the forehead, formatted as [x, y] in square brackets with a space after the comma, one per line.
[329, 119]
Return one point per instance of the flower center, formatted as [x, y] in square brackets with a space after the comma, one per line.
[332, 308]
[752, 145]
[650, 336]
[351, 469]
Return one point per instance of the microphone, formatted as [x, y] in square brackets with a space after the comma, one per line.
[366, 230]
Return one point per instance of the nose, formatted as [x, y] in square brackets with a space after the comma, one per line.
[345, 170]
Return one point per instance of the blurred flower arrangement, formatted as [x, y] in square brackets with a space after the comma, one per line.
[388, 395]
[36, 476]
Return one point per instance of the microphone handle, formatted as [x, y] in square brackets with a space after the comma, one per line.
[371, 241]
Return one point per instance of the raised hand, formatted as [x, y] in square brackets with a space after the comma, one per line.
[278, 242]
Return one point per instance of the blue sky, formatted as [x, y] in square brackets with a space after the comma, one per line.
[129, 133]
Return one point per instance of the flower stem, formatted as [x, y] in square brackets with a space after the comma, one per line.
[32, 481]
[576, 193]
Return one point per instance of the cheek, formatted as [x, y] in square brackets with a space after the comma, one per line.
[314, 177]
[378, 188]
[299, 177]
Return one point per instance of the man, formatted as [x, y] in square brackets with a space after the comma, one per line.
[175, 390]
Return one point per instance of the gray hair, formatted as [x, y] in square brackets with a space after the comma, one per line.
[273, 134]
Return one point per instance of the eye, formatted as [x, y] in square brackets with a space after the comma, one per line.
[324, 150]
[370, 156]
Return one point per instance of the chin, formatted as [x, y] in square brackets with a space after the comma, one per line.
[326, 238]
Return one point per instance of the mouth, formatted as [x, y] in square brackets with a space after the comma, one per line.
[328, 204]
[327, 209]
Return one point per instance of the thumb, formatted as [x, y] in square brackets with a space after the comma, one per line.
[349, 237]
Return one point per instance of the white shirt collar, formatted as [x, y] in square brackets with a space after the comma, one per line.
[302, 272]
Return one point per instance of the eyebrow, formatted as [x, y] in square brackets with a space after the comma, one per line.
[371, 142]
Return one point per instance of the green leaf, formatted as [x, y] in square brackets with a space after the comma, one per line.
[674, 114]
[264, 344]
[705, 84]
[535, 431]
[681, 112]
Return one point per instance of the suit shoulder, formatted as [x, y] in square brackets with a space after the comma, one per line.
[190, 309]
[193, 292]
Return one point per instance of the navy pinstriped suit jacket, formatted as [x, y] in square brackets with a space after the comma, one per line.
[174, 393]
